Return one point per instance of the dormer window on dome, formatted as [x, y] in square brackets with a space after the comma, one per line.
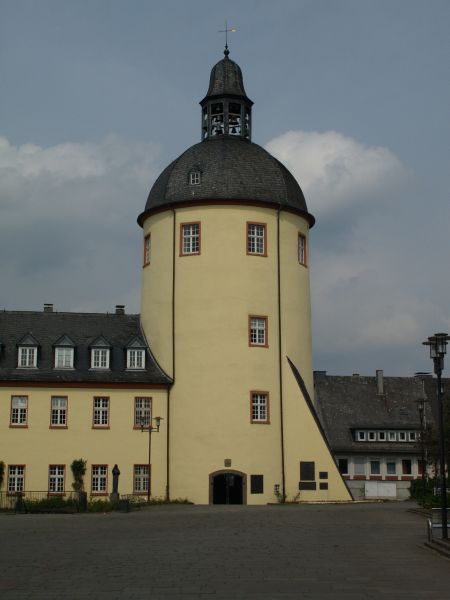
[226, 110]
[27, 352]
[100, 354]
[194, 178]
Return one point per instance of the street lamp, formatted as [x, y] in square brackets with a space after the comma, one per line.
[148, 424]
[438, 349]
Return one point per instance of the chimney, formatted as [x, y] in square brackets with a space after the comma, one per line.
[48, 307]
[120, 309]
[380, 383]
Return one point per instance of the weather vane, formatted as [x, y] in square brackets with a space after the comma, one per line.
[226, 31]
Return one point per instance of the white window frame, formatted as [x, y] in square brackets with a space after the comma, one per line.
[259, 407]
[194, 178]
[63, 357]
[190, 239]
[142, 408]
[100, 358]
[412, 436]
[141, 479]
[58, 411]
[381, 436]
[56, 479]
[99, 479]
[27, 357]
[371, 436]
[402, 437]
[373, 462]
[394, 462]
[19, 411]
[360, 461]
[360, 436]
[392, 436]
[258, 331]
[257, 239]
[302, 252]
[147, 249]
[135, 359]
[16, 479]
[100, 416]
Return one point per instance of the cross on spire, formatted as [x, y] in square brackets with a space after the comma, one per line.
[226, 31]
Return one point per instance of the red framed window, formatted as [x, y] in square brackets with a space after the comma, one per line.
[257, 239]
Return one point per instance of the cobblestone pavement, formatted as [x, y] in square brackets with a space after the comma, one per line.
[349, 552]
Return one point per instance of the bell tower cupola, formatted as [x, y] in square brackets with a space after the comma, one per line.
[226, 109]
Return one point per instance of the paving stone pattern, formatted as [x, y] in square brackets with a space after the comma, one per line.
[350, 552]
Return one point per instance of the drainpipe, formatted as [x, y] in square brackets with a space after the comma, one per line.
[283, 476]
[173, 356]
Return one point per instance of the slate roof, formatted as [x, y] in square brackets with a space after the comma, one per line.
[226, 79]
[347, 403]
[83, 329]
[232, 169]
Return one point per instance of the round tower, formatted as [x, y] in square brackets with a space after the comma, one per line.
[226, 312]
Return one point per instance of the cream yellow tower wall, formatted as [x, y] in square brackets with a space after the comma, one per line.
[215, 369]
[38, 445]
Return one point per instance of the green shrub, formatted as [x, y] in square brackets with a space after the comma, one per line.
[78, 468]
[2, 473]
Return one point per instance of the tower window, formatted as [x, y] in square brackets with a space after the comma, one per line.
[302, 256]
[259, 407]
[147, 249]
[258, 331]
[194, 178]
[190, 239]
[256, 239]
[234, 119]
[217, 125]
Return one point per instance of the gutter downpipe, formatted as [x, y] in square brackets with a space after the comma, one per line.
[173, 358]
[283, 475]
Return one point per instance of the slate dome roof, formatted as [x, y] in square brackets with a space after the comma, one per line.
[231, 169]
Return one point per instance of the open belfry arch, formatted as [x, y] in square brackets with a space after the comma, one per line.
[225, 309]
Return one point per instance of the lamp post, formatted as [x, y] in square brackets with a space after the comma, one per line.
[148, 424]
[438, 349]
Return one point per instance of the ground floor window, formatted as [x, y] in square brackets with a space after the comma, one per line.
[140, 479]
[99, 480]
[16, 478]
[56, 475]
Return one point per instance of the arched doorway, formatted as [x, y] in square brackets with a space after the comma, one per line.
[228, 487]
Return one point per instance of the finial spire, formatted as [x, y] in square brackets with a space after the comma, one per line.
[225, 31]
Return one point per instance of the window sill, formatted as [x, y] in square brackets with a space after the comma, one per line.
[257, 254]
[100, 427]
[258, 345]
[191, 254]
[58, 427]
[260, 422]
[17, 426]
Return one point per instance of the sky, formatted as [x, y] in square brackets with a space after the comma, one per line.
[98, 96]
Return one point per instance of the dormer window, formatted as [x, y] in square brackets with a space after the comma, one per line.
[64, 352]
[27, 356]
[135, 350]
[135, 359]
[63, 358]
[27, 352]
[194, 178]
[100, 358]
[100, 354]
